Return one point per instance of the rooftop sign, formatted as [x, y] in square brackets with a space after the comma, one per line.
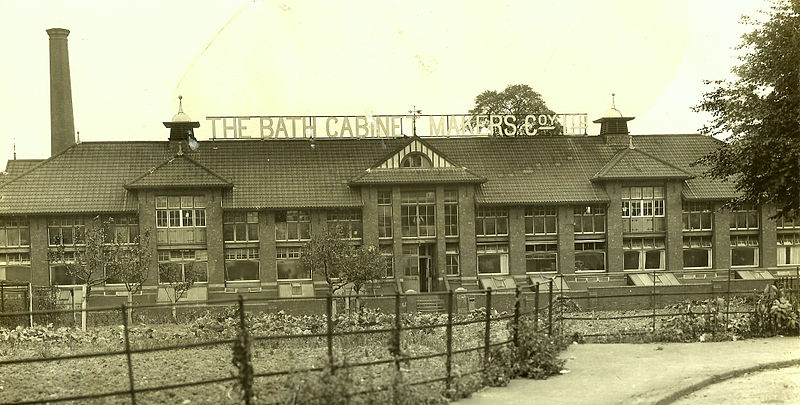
[392, 126]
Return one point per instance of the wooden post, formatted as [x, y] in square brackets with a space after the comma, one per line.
[487, 328]
[397, 326]
[550, 308]
[449, 359]
[329, 330]
[517, 294]
[536, 308]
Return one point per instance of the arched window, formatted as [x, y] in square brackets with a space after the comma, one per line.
[416, 160]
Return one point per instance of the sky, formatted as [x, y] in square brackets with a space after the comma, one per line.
[130, 60]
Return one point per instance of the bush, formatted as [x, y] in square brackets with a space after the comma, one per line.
[700, 322]
[774, 314]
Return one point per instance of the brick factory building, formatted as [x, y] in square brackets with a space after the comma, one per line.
[452, 212]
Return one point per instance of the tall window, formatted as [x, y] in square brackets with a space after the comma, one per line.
[348, 220]
[744, 250]
[697, 216]
[541, 257]
[180, 211]
[387, 251]
[696, 252]
[14, 231]
[541, 221]
[188, 262]
[643, 253]
[241, 264]
[292, 225]
[417, 213]
[643, 209]
[590, 255]
[451, 212]
[66, 231]
[589, 219]
[788, 249]
[121, 228]
[492, 258]
[289, 265]
[744, 217]
[451, 262]
[384, 213]
[491, 221]
[240, 226]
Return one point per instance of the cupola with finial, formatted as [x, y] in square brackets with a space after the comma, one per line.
[613, 125]
[181, 128]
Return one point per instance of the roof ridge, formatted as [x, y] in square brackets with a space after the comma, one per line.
[171, 159]
[38, 165]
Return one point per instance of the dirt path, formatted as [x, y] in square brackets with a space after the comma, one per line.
[638, 373]
[780, 386]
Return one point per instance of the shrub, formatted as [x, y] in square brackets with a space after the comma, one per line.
[773, 315]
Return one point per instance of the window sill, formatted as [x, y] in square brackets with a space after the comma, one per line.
[589, 271]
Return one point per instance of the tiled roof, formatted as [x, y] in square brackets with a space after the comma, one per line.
[16, 167]
[417, 176]
[632, 163]
[179, 171]
[91, 176]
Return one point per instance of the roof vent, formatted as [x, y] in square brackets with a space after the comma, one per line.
[613, 122]
[181, 128]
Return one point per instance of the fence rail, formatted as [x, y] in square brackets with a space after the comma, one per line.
[548, 304]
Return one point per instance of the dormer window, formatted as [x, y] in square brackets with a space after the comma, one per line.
[416, 160]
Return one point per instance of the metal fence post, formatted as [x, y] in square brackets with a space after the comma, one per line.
[246, 368]
[2, 296]
[487, 328]
[30, 303]
[397, 325]
[714, 311]
[329, 329]
[449, 360]
[517, 294]
[124, 311]
[536, 308]
[561, 299]
[550, 308]
[653, 303]
[728, 302]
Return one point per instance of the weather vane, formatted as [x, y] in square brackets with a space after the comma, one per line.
[414, 115]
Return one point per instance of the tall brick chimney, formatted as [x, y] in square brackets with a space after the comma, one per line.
[62, 124]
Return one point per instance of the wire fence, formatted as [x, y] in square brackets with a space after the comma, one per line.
[448, 347]
[396, 338]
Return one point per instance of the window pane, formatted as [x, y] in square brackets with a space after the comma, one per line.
[652, 259]
[252, 231]
[743, 256]
[695, 258]
[631, 260]
[241, 270]
[599, 223]
[227, 232]
[489, 264]
[241, 231]
[588, 260]
[24, 236]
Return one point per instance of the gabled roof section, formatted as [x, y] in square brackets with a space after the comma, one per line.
[415, 145]
[417, 176]
[633, 163]
[180, 171]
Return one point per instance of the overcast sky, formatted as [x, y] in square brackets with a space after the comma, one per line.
[131, 59]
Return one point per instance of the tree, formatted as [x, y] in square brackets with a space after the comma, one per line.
[129, 264]
[365, 265]
[180, 278]
[518, 100]
[759, 112]
[327, 254]
[86, 263]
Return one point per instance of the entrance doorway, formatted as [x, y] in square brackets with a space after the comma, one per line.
[420, 271]
[425, 268]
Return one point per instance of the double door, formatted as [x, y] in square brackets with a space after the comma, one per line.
[420, 268]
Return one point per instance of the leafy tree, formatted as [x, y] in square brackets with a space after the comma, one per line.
[327, 254]
[365, 265]
[518, 100]
[179, 279]
[86, 263]
[129, 264]
[759, 110]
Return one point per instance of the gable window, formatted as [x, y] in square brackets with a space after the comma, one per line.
[241, 264]
[697, 216]
[643, 209]
[643, 253]
[288, 264]
[180, 211]
[14, 231]
[451, 212]
[492, 258]
[744, 217]
[66, 231]
[590, 255]
[417, 213]
[744, 250]
[588, 219]
[240, 226]
[541, 257]
[696, 252]
[491, 221]
[349, 221]
[292, 225]
[541, 221]
[384, 213]
[417, 160]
